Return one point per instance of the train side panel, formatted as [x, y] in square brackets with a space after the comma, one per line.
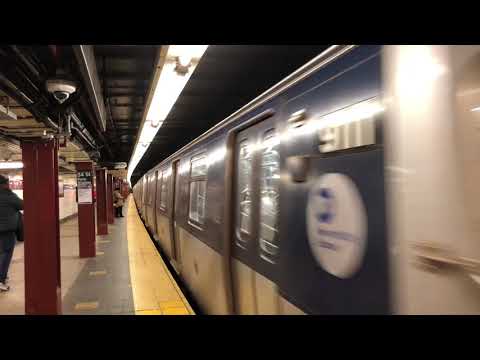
[199, 226]
[282, 264]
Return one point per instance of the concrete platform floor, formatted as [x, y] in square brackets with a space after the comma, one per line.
[13, 301]
[127, 276]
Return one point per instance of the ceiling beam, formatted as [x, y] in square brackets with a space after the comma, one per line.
[86, 61]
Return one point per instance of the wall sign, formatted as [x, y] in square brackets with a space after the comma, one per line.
[84, 187]
[336, 225]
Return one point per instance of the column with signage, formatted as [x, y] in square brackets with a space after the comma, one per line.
[86, 210]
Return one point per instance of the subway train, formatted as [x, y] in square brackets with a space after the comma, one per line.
[349, 187]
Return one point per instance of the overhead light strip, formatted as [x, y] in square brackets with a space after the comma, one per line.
[11, 165]
[181, 61]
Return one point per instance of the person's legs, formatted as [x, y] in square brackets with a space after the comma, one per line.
[5, 259]
[120, 211]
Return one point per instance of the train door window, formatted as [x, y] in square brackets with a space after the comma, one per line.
[159, 189]
[163, 189]
[145, 191]
[244, 192]
[151, 192]
[198, 189]
[269, 195]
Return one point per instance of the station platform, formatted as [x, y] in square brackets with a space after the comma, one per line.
[127, 277]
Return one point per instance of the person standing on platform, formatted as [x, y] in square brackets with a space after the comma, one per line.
[10, 206]
[118, 202]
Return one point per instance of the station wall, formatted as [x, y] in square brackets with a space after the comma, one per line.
[67, 203]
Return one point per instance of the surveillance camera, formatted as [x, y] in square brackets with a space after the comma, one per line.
[61, 96]
[61, 89]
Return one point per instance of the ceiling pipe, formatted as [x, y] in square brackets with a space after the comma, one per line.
[98, 131]
[105, 96]
[86, 60]
[37, 101]
[58, 108]
[84, 137]
[14, 92]
[82, 130]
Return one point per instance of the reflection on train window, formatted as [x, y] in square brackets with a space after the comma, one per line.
[199, 166]
[269, 196]
[159, 192]
[163, 198]
[198, 189]
[151, 190]
[244, 192]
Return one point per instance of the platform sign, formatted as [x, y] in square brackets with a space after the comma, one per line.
[84, 187]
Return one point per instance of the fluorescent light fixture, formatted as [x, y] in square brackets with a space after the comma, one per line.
[171, 83]
[168, 88]
[11, 165]
[476, 109]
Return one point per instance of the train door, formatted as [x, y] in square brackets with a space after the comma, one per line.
[153, 223]
[173, 215]
[256, 205]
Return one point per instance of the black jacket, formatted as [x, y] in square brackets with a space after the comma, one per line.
[10, 205]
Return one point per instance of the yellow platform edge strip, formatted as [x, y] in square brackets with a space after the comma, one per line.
[155, 291]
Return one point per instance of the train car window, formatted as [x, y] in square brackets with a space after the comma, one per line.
[244, 191]
[269, 196]
[163, 189]
[198, 189]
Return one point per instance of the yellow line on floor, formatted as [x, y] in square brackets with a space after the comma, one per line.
[155, 292]
[86, 306]
[98, 273]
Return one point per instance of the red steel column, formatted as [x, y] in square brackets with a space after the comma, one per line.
[102, 216]
[86, 212]
[110, 199]
[41, 228]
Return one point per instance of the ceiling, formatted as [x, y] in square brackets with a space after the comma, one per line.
[125, 73]
[20, 124]
[121, 79]
[227, 77]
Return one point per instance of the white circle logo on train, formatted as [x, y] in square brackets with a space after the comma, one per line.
[336, 225]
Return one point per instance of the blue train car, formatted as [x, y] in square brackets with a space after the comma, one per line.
[287, 206]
